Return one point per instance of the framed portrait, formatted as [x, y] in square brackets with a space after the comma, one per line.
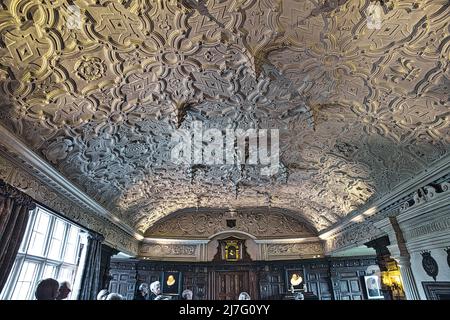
[171, 283]
[373, 287]
[295, 280]
[232, 250]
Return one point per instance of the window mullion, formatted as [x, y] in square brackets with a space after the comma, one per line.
[64, 240]
[50, 235]
[77, 254]
[30, 232]
[37, 278]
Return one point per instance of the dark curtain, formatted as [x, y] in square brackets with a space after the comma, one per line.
[14, 213]
[105, 277]
[90, 282]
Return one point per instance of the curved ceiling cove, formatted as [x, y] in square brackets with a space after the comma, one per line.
[96, 87]
[203, 223]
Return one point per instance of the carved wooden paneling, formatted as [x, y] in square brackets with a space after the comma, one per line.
[123, 282]
[196, 281]
[271, 285]
[437, 290]
[262, 280]
[230, 284]
[318, 282]
[347, 277]
[351, 289]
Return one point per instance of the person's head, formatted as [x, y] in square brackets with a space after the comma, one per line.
[162, 297]
[299, 296]
[64, 290]
[155, 287]
[103, 294]
[187, 294]
[372, 283]
[244, 296]
[143, 288]
[47, 289]
[114, 296]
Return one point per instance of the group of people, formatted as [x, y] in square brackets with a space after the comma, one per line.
[145, 292]
[153, 292]
[104, 294]
[51, 289]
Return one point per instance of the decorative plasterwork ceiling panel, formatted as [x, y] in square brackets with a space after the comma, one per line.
[97, 87]
[203, 223]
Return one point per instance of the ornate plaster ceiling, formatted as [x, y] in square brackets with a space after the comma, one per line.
[359, 110]
[203, 223]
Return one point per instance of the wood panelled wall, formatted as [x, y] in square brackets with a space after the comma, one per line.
[328, 279]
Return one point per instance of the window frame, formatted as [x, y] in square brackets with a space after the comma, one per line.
[43, 260]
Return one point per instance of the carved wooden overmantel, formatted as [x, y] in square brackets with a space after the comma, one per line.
[232, 249]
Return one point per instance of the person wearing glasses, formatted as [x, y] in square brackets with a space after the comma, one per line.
[64, 290]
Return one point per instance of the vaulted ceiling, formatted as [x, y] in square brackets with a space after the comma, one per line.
[96, 87]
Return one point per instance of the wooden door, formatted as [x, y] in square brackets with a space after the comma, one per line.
[230, 284]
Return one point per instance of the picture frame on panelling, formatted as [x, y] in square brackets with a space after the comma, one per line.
[295, 280]
[171, 283]
[372, 284]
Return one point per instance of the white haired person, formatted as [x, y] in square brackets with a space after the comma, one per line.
[187, 294]
[103, 294]
[114, 296]
[155, 290]
[143, 292]
[163, 297]
[244, 296]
